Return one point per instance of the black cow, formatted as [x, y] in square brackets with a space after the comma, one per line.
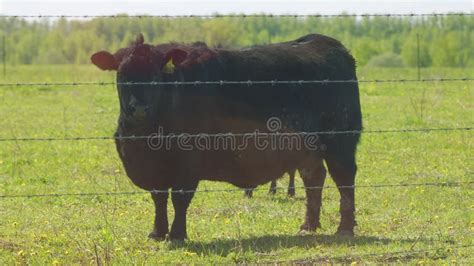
[161, 162]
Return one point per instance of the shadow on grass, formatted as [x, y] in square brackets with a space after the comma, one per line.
[223, 247]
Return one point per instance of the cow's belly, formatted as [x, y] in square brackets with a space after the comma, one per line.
[151, 169]
[243, 162]
[141, 166]
[249, 169]
[257, 161]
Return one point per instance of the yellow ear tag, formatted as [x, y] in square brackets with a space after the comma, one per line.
[169, 67]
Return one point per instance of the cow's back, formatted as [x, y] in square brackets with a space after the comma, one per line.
[303, 107]
[310, 57]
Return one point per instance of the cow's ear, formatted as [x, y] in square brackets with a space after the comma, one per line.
[104, 60]
[177, 56]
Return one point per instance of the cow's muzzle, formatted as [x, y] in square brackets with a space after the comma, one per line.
[137, 110]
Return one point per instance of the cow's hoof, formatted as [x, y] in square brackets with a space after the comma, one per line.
[177, 237]
[157, 236]
[291, 193]
[249, 193]
[308, 228]
[303, 232]
[345, 232]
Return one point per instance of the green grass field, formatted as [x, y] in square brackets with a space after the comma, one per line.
[414, 224]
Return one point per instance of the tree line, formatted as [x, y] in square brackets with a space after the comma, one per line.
[444, 41]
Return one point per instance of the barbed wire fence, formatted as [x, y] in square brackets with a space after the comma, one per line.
[419, 79]
[462, 14]
[233, 82]
[205, 190]
[249, 134]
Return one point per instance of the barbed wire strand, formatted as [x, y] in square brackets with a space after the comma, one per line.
[155, 136]
[245, 15]
[229, 82]
[205, 190]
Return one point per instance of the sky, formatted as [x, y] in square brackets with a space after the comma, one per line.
[204, 7]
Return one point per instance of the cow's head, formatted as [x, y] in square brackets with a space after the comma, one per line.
[136, 66]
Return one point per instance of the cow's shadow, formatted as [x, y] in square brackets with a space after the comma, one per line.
[263, 244]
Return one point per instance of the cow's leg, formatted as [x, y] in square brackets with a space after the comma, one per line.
[291, 186]
[160, 229]
[343, 172]
[273, 187]
[249, 192]
[313, 181]
[181, 198]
